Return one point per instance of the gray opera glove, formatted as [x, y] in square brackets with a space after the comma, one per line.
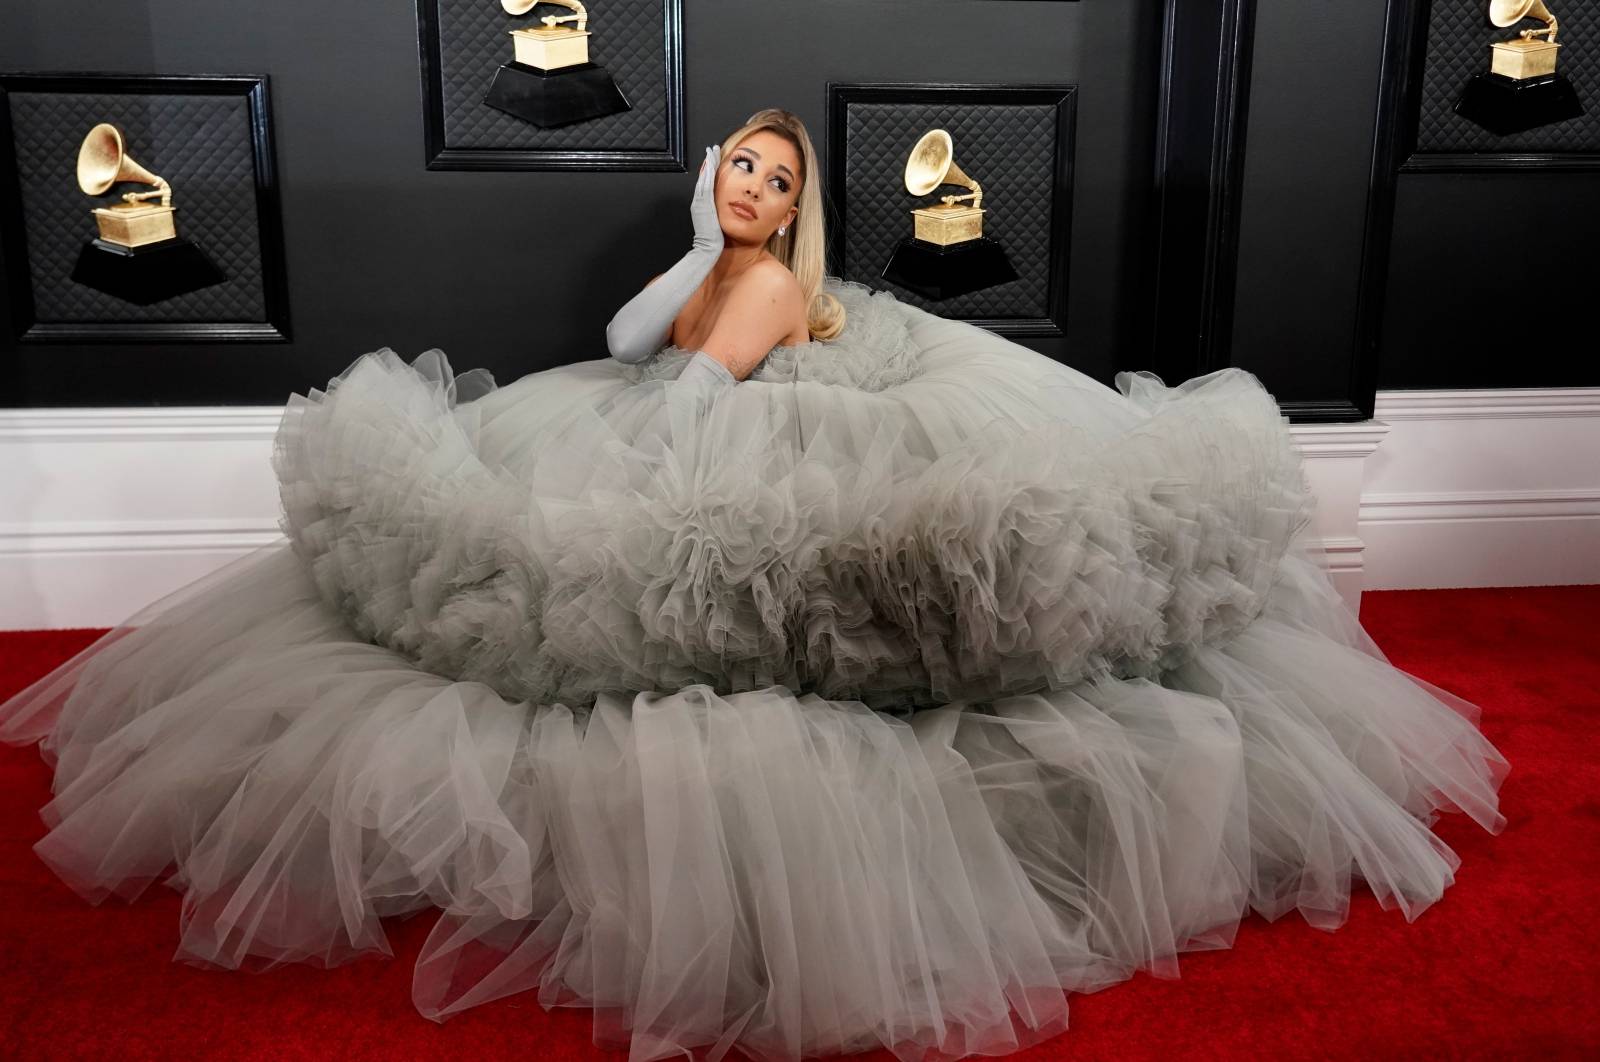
[705, 372]
[702, 379]
[641, 327]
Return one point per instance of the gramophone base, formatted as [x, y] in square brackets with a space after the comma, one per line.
[147, 274]
[1505, 105]
[556, 97]
[945, 272]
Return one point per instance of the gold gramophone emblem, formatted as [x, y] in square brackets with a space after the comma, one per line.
[1521, 89]
[550, 45]
[932, 163]
[948, 254]
[139, 256]
[1526, 56]
[102, 162]
[551, 81]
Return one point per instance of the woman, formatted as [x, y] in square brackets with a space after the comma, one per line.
[729, 296]
[815, 674]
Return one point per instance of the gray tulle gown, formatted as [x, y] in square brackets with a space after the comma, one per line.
[871, 701]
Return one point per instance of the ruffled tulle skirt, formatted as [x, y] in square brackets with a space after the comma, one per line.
[873, 701]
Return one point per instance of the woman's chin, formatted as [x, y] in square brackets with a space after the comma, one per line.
[744, 232]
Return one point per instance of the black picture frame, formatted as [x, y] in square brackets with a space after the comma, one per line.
[1405, 59]
[439, 155]
[273, 328]
[842, 95]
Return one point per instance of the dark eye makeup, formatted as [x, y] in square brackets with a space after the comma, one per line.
[783, 185]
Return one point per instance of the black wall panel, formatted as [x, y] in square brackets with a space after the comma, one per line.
[1307, 157]
[518, 271]
[1491, 281]
[1325, 303]
[1490, 270]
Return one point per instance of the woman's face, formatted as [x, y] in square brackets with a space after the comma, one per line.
[761, 176]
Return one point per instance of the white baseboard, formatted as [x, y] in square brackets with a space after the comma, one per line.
[1335, 456]
[1484, 488]
[103, 511]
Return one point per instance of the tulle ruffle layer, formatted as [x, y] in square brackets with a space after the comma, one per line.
[993, 523]
[619, 673]
[764, 870]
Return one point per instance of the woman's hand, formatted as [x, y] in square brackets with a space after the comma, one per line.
[703, 208]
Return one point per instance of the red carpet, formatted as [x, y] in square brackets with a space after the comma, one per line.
[1503, 967]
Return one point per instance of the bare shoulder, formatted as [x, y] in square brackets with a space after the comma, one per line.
[769, 285]
[759, 311]
[772, 272]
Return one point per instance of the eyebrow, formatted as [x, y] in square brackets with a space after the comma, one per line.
[779, 166]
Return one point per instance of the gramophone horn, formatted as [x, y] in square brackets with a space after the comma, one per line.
[1505, 13]
[102, 162]
[522, 7]
[928, 162]
[931, 164]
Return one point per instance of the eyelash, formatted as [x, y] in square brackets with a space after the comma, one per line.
[783, 185]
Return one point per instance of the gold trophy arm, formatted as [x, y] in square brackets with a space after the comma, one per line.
[976, 195]
[162, 189]
[955, 175]
[1549, 31]
[581, 18]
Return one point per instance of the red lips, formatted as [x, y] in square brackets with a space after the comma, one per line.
[742, 210]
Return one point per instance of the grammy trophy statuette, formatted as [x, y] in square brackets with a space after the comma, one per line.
[1521, 90]
[139, 256]
[551, 81]
[948, 254]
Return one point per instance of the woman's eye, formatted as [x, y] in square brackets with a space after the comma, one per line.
[783, 185]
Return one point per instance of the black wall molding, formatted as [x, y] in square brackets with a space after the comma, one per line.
[1202, 103]
[1405, 43]
[1441, 162]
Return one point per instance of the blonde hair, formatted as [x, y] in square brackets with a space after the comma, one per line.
[803, 248]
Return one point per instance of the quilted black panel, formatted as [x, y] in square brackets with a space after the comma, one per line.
[1459, 36]
[1009, 149]
[200, 144]
[627, 37]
